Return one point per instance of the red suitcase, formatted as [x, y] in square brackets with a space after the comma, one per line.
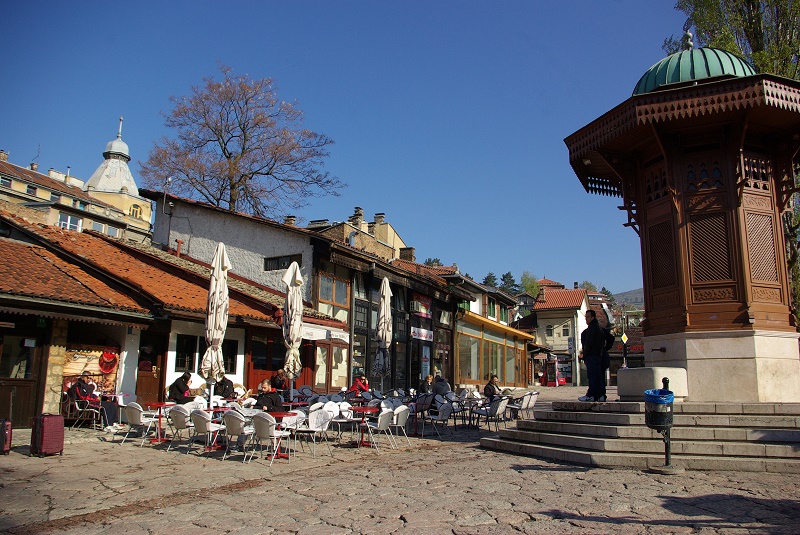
[5, 436]
[47, 435]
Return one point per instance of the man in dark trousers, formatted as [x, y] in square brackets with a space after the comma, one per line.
[592, 342]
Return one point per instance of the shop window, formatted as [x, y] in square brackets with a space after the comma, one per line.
[491, 359]
[69, 222]
[31, 190]
[509, 364]
[334, 295]
[185, 350]
[399, 371]
[359, 354]
[282, 262]
[135, 211]
[549, 331]
[230, 348]
[339, 368]
[468, 358]
[360, 316]
[17, 357]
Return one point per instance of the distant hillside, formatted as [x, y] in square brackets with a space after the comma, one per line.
[631, 297]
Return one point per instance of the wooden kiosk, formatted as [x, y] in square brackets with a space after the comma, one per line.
[703, 156]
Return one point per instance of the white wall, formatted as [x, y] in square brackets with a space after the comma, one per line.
[198, 329]
[248, 242]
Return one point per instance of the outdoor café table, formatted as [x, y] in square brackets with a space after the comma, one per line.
[160, 406]
[280, 415]
[294, 404]
[364, 410]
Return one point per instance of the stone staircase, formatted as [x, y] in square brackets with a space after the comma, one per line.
[750, 437]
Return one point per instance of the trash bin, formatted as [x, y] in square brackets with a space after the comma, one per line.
[658, 408]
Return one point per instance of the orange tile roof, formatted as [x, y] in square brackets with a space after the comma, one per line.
[556, 298]
[548, 282]
[177, 293]
[30, 270]
[35, 177]
[430, 272]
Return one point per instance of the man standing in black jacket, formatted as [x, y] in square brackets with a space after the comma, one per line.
[592, 342]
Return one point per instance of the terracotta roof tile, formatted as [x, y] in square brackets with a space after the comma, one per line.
[557, 298]
[420, 269]
[548, 282]
[30, 270]
[174, 292]
[35, 177]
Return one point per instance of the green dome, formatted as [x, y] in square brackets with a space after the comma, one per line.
[690, 65]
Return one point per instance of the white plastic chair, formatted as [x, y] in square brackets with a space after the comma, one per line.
[137, 418]
[344, 419]
[235, 426]
[180, 421]
[265, 429]
[380, 426]
[493, 412]
[316, 429]
[439, 418]
[204, 426]
[401, 415]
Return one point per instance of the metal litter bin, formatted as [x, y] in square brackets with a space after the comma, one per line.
[658, 408]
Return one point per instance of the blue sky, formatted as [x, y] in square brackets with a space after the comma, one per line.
[449, 117]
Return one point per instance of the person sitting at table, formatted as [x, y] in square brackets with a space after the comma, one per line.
[492, 389]
[224, 388]
[278, 381]
[179, 390]
[360, 384]
[426, 386]
[268, 398]
[441, 386]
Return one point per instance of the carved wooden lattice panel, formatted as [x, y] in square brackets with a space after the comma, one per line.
[757, 172]
[761, 243]
[656, 183]
[709, 248]
[662, 255]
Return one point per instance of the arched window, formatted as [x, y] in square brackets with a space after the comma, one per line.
[135, 211]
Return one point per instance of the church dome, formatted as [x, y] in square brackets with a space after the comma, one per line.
[690, 66]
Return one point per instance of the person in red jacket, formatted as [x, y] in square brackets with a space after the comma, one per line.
[360, 384]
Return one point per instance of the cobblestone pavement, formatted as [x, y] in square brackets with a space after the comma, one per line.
[435, 486]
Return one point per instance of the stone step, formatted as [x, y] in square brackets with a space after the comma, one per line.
[686, 407]
[655, 446]
[679, 419]
[677, 433]
[641, 460]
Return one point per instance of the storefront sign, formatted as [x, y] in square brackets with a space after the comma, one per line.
[100, 361]
[421, 334]
[421, 305]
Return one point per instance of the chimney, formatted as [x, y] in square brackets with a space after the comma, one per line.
[575, 285]
[371, 228]
[407, 253]
[34, 166]
[290, 220]
[3, 156]
[380, 218]
[357, 217]
[541, 297]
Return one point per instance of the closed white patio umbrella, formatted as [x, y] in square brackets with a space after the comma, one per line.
[293, 321]
[212, 367]
[381, 367]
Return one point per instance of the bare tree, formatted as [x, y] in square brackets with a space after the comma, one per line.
[238, 146]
